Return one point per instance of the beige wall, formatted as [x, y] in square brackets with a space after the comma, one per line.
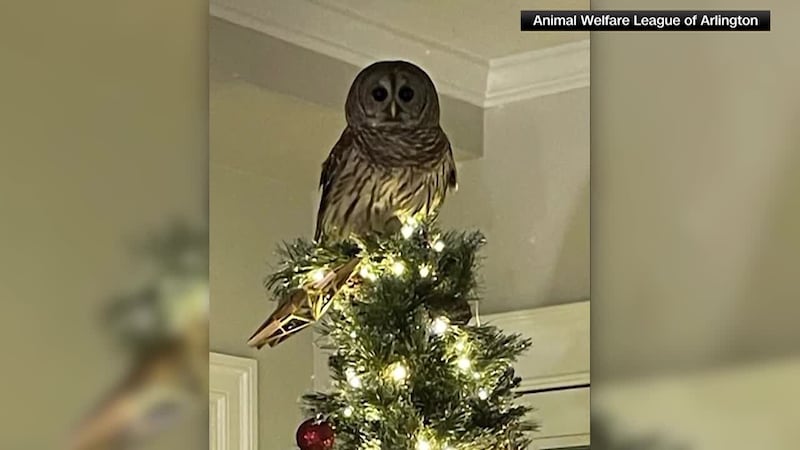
[261, 194]
[529, 194]
[250, 214]
[694, 196]
[695, 219]
[102, 143]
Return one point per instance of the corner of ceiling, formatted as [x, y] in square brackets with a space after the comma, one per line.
[311, 34]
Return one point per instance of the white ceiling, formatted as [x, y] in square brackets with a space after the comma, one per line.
[482, 29]
[480, 56]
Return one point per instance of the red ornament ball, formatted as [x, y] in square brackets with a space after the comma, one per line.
[314, 435]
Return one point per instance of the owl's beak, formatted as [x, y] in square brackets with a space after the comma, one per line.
[393, 109]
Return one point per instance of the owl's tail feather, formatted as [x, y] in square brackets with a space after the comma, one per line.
[302, 307]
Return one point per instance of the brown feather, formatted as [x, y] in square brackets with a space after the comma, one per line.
[373, 175]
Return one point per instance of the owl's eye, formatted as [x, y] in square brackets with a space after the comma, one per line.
[380, 93]
[406, 94]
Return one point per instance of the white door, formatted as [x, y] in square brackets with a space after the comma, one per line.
[233, 408]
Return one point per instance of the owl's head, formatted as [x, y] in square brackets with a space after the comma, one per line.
[392, 94]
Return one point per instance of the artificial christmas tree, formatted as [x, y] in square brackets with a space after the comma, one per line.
[408, 370]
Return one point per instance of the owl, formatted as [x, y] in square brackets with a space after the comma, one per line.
[393, 160]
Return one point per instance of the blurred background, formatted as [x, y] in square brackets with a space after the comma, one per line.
[103, 155]
[694, 216]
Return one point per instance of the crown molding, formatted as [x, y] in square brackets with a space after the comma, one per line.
[342, 35]
[346, 36]
[559, 356]
[537, 73]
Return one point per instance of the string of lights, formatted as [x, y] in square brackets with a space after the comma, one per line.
[408, 367]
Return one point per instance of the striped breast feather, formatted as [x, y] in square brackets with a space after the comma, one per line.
[423, 147]
[362, 190]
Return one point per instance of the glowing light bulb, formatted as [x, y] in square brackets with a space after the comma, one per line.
[318, 275]
[483, 394]
[353, 334]
[353, 379]
[372, 414]
[422, 444]
[424, 271]
[460, 346]
[348, 412]
[367, 273]
[374, 444]
[399, 372]
[398, 268]
[438, 246]
[440, 326]
[464, 363]
[476, 375]
[407, 231]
